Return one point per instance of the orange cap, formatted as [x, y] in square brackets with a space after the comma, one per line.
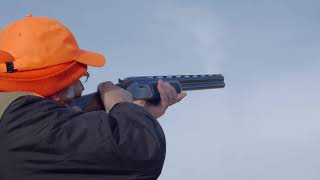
[44, 54]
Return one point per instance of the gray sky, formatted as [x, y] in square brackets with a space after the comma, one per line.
[264, 125]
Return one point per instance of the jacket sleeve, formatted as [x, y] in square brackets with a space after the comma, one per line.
[126, 143]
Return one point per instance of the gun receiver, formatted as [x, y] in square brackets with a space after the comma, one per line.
[145, 88]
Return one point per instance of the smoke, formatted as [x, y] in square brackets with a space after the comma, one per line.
[198, 34]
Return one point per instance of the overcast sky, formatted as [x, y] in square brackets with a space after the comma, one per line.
[264, 125]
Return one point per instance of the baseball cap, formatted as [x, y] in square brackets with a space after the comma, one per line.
[41, 55]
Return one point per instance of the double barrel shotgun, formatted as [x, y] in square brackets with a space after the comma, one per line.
[145, 88]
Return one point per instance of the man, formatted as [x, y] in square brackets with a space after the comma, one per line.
[42, 138]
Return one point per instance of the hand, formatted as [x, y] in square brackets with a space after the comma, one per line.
[111, 95]
[168, 97]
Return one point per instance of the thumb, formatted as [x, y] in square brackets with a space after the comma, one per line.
[181, 96]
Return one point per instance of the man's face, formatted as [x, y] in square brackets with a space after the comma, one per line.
[68, 94]
[78, 88]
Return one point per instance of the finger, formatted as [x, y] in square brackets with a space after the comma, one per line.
[108, 85]
[173, 93]
[170, 91]
[181, 96]
[163, 93]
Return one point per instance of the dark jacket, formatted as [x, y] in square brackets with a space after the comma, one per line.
[40, 140]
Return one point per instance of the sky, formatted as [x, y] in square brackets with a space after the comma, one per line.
[263, 125]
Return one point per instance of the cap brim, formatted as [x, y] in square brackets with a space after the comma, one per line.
[91, 58]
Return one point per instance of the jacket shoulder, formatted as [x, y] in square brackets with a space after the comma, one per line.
[6, 98]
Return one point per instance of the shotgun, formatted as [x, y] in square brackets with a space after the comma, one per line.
[145, 88]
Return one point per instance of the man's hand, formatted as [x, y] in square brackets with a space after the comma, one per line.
[168, 96]
[111, 94]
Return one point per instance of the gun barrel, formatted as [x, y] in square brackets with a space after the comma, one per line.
[180, 78]
[188, 82]
[202, 85]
